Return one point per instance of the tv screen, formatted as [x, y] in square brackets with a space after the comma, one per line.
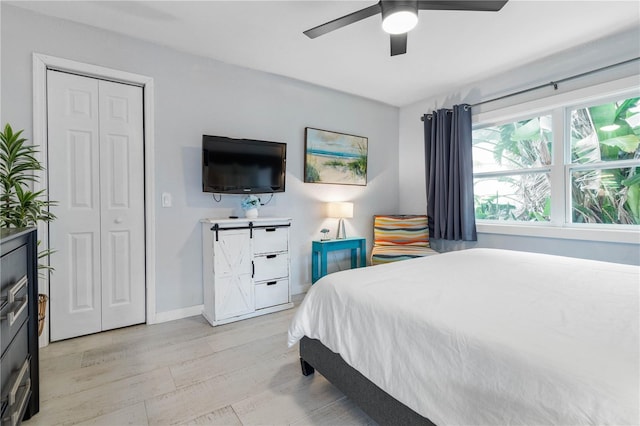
[242, 166]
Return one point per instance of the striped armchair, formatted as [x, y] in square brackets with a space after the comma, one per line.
[400, 237]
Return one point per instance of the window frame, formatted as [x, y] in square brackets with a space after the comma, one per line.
[523, 171]
[559, 106]
[603, 165]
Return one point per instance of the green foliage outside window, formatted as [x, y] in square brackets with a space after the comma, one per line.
[512, 164]
[506, 193]
[602, 134]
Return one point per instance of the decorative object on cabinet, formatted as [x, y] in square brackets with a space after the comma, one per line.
[250, 205]
[245, 268]
[400, 237]
[337, 158]
[19, 368]
[319, 249]
[19, 206]
[341, 210]
[325, 234]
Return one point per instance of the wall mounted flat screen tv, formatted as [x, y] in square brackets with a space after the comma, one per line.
[242, 166]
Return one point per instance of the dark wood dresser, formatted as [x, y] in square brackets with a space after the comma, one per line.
[19, 390]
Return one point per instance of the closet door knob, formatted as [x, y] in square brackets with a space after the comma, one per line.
[118, 220]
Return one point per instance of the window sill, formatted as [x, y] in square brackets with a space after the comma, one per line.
[627, 236]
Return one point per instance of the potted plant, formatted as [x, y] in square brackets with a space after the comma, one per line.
[250, 205]
[20, 206]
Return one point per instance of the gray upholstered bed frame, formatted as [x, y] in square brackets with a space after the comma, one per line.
[378, 404]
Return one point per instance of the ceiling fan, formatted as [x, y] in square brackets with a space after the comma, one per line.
[399, 17]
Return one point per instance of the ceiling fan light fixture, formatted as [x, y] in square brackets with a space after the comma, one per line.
[400, 22]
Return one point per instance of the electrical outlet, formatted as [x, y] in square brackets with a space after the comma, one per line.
[166, 199]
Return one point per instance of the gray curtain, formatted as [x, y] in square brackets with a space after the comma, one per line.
[449, 174]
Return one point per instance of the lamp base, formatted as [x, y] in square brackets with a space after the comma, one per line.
[341, 234]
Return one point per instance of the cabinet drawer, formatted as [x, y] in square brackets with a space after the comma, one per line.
[13, 266]
[269, 240]
[272, 293]
[271, 266]
[15, 312]
[14, 374]
[16, 379]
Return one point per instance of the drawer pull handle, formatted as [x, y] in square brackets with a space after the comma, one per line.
[270, 230]
[271, 256]
[16, 288]
[17, 414]
[272, 282]
[13, 315]
[16, 385]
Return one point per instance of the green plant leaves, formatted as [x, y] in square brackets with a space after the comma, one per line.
[20, 206]
[530, 130]
[626, 143]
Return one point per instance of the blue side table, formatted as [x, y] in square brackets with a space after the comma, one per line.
[321, 248]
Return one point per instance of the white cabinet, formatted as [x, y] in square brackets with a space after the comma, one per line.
[245, 268]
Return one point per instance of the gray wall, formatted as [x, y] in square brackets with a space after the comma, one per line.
[613, 49]
[195, 96]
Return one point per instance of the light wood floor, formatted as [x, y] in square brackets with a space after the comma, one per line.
[187, 372]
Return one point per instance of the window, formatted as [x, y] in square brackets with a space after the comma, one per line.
[512, 165]
[603, 169]
[575, 165]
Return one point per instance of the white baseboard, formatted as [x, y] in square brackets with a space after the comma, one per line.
[177, 314]
[301, 289]
[297, 298]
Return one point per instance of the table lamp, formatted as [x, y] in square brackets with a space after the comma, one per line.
[340, 210]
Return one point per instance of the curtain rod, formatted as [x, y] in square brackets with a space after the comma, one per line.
[551, 83]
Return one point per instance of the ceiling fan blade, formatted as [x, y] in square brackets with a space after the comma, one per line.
[343, 21]
[398, 44]
[477, 5]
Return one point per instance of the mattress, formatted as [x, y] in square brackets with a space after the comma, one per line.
[485, 336]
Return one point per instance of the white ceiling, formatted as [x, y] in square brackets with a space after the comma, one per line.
[445, 50]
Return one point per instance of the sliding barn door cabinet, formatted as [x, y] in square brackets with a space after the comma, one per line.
[246, 268]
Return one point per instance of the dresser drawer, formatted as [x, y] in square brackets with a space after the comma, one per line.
[271, 293]
[13, 266]
[270, 240]
[15, 312]
[15, 378]
[271, 266]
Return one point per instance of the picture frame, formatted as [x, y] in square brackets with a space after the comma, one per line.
[335, 158]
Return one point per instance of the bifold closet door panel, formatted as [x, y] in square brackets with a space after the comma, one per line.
[74, 182]
[122, 205]
[96, 173]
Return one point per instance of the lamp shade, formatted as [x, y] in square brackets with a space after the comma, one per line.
[340, 209]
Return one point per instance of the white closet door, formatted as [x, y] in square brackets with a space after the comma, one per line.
[74, 181]
[96, 173]
[122, 205]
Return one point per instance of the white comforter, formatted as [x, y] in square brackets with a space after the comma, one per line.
[489, 337]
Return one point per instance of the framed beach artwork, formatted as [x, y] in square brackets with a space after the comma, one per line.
[337, 158]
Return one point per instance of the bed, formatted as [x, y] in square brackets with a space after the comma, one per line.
[479, 336]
